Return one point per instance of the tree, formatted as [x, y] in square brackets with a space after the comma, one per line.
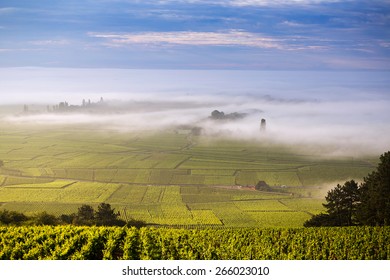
[367, 204]
[375, 195]
[135, 223]
[12, 217]
[68, 219]
[342, 202]
[44, 218]
[263, 186]
[196, 131]
[106, 216]
[1, 163]
[324, 220]
[217, 114]
[85, 215]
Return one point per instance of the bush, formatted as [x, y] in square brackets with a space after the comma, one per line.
[12, 217]
[44, 218]
[135, 223]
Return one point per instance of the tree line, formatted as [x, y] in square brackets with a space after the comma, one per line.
[86, 216]
[354, 204]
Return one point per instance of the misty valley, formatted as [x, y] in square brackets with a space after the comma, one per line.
[174, 176]
[194, 130]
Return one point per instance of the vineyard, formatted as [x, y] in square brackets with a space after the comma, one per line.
[113, 243]
[166, 178]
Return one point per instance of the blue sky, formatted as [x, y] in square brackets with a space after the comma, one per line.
[196, 34]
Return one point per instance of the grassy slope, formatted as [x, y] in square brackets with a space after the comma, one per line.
[165, 178]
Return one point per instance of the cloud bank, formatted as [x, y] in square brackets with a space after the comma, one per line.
[331, 112]
[325, 128]
[228, 38]
[241, 3]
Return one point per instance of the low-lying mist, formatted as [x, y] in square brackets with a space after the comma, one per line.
[328, 128]
[328, 113]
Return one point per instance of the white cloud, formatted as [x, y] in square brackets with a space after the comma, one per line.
[61, 42]
[229, 38]
[232, 38]
[292, 24]
[277, 2]
[252, 2]
[384, 44]
[21, 50]
[7, 10]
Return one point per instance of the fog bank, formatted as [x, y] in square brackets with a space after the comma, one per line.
[326, 112]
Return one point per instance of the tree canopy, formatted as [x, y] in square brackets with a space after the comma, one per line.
[375, 195]
[105, 215]
[12, 217]
[85, 215]
[341, 206]
[364, 204]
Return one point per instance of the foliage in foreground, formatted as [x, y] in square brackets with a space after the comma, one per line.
[73, 242]
[85, 216]
[351, 204]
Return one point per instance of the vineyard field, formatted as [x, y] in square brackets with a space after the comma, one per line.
[167, 178]
[113, 243]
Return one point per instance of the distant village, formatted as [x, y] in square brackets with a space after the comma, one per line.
[101, 106]
[63, 107]
[219, 115]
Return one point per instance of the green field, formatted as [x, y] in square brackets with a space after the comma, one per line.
[166, 178]
[121, 243]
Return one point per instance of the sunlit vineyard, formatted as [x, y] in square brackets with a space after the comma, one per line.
[113, 243]
[166, 178]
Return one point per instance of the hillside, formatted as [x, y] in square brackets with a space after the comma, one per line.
[166, 178]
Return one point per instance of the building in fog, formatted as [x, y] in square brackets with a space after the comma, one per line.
[263, 125]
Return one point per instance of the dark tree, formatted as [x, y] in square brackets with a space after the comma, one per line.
[341, 206]
[375, 195]
[44, 218]
[107, 216]
[263, 186]
[1, 163]
[85, 215]
[217, 114]
[342, 203]
[135, 223]
[68, 219]
[321, 220]
[368, 204]
[12, 217]
[196, 131]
